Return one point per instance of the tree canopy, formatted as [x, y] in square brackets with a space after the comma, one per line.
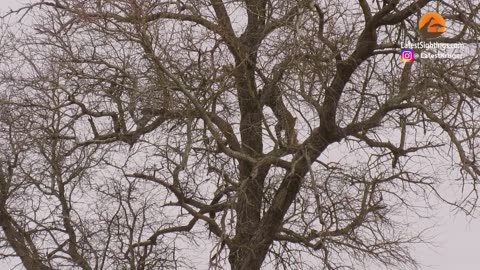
[243, 134]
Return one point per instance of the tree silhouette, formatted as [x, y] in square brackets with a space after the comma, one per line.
[253, 134]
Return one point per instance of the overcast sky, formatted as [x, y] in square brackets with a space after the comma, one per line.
[456, 242]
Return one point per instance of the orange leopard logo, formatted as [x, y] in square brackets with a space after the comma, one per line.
[431, 25]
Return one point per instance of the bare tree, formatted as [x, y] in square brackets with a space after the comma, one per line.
[255, 133]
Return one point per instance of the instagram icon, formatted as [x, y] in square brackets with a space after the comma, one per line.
[407, 55]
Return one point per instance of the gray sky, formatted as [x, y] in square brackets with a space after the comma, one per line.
[455, 243]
